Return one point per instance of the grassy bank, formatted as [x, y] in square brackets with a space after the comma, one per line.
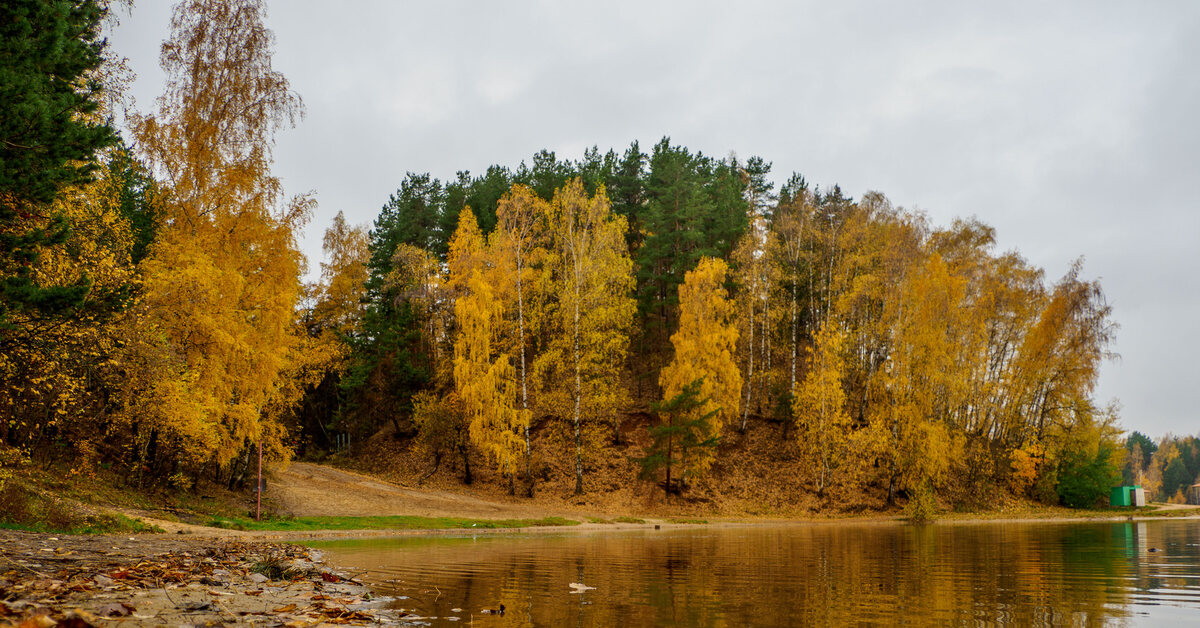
[304, 524]
[24, 507]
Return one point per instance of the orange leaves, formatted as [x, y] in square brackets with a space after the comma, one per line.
[485, 379]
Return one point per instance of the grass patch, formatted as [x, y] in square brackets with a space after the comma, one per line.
[598, 520]
[301, 524]
[276, 568]
[688, 521]
[629, 520]
[26, 508]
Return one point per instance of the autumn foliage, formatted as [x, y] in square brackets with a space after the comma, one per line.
[537, 319]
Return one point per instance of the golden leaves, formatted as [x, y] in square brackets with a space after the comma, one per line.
[704, 348]
[216, 338]
[819, 408]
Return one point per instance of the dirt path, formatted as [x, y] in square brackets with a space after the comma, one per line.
[304, 489]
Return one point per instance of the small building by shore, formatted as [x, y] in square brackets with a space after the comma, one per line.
[1134, 496]
[1193, 496]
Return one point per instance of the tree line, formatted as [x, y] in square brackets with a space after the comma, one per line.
[1166, 468]
[155, 316]
[896, 353]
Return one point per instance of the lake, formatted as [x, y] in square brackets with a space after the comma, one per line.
[1126, 573]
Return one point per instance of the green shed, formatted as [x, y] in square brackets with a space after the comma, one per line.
[1127, 496]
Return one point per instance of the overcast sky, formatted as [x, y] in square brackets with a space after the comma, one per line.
[1069, 126]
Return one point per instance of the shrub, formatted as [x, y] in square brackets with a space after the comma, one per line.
[922, 507]
[1085, 479]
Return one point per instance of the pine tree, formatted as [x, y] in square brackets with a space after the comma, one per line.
[685, 435]
[50, 138]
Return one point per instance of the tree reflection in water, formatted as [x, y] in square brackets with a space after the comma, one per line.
[1007, 573]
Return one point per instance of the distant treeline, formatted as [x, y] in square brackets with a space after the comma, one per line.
[1167, 469]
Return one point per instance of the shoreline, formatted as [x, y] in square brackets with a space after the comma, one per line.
[655, 524]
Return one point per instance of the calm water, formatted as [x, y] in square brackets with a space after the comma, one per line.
[1021, 574]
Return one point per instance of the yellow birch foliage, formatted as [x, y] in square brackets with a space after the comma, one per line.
[704, 349]
[483, 376]
[517, 252]
[757, 275]
[819, 408]
[922, 378]
[486, 382]
[466, 253]
[339, 308]
[578, 374]
[215, 333]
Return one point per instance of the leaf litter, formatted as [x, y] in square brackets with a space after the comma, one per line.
[83, 582]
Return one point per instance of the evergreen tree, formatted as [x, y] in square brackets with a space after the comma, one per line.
[694, 208]
[49, 138]
[546, 175]
[685, 432]
[411, 216]
[627, 189]
[485, 192]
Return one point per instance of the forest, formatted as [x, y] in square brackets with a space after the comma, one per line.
[156, 320]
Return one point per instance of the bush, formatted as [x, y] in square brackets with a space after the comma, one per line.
[1084, 479]
[922, 507]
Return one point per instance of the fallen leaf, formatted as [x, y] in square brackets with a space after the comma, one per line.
[330, 577]
[284, 609]
[38, 621]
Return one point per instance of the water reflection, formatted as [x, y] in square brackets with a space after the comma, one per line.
[1025, 574]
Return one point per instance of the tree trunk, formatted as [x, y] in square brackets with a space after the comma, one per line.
[467, 477]
[749, 367]
[524, 378]
[578, 396]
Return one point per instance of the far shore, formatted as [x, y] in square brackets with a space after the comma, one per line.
[299, 536]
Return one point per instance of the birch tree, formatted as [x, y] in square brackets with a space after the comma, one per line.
[579, 373]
